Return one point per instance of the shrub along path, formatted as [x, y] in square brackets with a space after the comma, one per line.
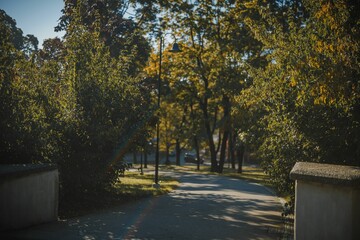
[203, 207]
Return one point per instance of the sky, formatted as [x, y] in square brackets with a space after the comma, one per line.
[37, 17]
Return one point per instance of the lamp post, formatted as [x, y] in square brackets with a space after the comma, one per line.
[175, 49]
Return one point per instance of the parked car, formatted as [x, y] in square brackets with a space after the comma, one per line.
[191, 158]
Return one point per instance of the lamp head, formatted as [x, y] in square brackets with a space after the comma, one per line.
[175, 48]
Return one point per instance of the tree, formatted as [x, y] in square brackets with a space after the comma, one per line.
[70, 103]
[106, 108]
[14, 34]
[53, 49]
[24, 101]
[122, 35]
[305, 101]
[30, 44]
[212, 62]
[7, 75]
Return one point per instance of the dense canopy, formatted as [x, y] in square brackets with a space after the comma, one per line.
[279, 79]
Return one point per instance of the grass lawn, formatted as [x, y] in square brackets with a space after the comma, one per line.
[136, 185]
[131, 187]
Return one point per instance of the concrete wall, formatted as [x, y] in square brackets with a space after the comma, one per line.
[28, 195]
[327, 201]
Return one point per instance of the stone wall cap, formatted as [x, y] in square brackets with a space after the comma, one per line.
[326, 173]
[17, 170]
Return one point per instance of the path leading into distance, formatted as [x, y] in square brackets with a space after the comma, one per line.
[203, 207]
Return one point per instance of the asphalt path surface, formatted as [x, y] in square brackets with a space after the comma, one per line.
[203, 207]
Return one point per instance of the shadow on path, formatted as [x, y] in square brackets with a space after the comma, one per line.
[203, 207]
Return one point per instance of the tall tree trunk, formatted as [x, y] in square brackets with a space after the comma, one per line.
[167, 161]
[145, 159]
[223, 152]
[226, 106]
[204, 107]
[196, 145]
[232, 151]
[214, 164]
[135, 157]
[228, 153]
[209, 135]
[177, 152]
[142, 162]
[240, 156]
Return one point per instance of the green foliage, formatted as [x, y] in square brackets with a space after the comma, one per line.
[210, 71]
[282, 76]
[304, 103]
[8, 102]
[121, 35]
[70, 103]
[23, 115]
[13, 34]
[104, 104]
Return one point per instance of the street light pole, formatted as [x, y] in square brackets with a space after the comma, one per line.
[175, 49]
[156, 185]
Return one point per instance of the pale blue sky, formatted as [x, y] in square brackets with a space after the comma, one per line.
[37, 17]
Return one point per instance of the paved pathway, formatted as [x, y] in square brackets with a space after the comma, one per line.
[203, 207]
